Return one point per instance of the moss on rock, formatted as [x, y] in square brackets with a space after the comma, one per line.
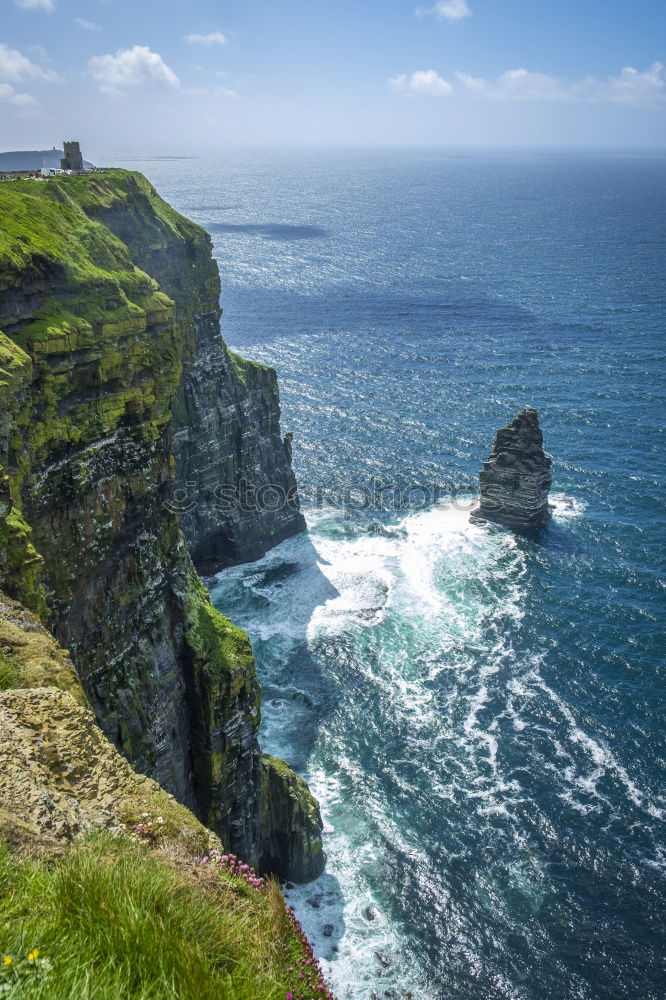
[29, 655]
[291, 823]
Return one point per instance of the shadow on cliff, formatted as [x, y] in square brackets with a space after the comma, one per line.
[283, 232]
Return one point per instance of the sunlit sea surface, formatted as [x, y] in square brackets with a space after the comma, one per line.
[481, 716]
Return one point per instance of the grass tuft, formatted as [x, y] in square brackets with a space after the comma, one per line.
[113, 920]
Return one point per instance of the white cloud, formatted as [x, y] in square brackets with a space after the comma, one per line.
[81, 22]
[629, 87]
[131, 68]
[446, 10]
[421, 82]
[212, 38]
[476, 83]
[518, 85]
[9, 95]
[15, 66]
[47, 5]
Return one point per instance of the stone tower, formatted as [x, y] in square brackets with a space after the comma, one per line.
[72, 160]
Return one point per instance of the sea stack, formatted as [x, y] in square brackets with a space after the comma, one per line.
[516, 478]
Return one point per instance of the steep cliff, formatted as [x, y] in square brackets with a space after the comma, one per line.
[95, 355]
[237, 493]
[109, 887]
[516, 478]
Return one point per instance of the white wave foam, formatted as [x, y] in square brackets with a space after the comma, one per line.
[601, 756]
[566, 507]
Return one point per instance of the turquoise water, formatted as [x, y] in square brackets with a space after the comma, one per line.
[480, 715]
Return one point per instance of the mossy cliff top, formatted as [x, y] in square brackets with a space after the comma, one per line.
[62, 221]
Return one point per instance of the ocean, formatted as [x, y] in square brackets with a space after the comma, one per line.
[481, 715]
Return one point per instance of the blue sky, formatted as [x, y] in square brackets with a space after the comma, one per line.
[170, 77]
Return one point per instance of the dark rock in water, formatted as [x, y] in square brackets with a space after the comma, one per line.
[369, 913]
[328, 930]
[383, 960]
[516, 478]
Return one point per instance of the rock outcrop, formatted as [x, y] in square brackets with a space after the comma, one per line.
[102, 869]
[515, 481]
[92, 352]
[60, 778]
[290, 822]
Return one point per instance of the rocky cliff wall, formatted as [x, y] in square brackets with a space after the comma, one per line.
[102, 870]
[226, 428]
[93, 353]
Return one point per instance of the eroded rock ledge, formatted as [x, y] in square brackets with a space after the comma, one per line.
[516, 478]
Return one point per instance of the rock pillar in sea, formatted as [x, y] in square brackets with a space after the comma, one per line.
[516, 478]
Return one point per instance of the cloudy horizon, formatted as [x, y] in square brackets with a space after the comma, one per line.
[196, 78]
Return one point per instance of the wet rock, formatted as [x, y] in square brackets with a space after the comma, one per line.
[516, 478]
[328, 930]
[383, 960]
[369, 913]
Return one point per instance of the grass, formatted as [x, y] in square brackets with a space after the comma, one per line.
[113, 920]
[242, 366]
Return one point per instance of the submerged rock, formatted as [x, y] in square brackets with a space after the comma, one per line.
[516, 478]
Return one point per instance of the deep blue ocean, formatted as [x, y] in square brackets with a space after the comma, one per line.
[481, 716]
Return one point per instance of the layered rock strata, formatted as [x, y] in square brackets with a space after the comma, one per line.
[516, 478]
[92, 353]
[237, 494]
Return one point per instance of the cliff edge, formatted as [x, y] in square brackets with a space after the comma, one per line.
[108, 313]
[109, 887]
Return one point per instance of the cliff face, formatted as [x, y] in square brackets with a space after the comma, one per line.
[119, 886]
[237, 493]
[516, 478]
[59, 777]
[93, 352]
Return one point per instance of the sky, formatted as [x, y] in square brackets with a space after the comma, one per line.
[142, 77]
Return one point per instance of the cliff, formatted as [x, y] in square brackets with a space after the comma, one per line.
[515, 480]
[109, 887]
[237, 493]
[108, 326]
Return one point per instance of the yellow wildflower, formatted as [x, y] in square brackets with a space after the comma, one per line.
[8, 960]
[34, 955]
